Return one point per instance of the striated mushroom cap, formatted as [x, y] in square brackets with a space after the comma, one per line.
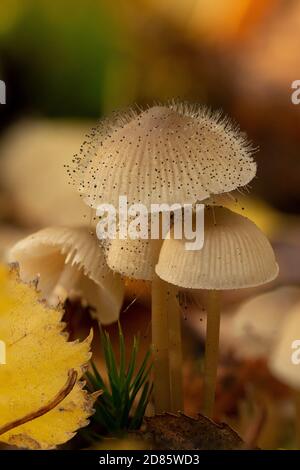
[45, 254]
[284, 362]
[135, 259]
[258, 321]
[235, 254]
[165, 154]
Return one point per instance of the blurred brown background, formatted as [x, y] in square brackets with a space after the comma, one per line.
[83, 59]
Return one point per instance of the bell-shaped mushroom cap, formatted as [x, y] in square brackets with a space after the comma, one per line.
[135, 259]
[45, 254]
[165, 154]
[235, 254]
[256, 324]
[284, 362]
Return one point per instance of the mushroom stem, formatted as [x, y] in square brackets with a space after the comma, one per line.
[175, 351]
[160, 343]
[66, 282]
[211, 351]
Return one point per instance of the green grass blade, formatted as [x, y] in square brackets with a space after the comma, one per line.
[132, 361]
[122, 356]
[141, 407]
[114, 411]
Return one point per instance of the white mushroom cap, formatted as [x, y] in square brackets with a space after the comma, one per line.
[166, 154]
[45, 254]
[32, 158]
[257, 323]
[285, 359]
[135, 259]
[235, 254]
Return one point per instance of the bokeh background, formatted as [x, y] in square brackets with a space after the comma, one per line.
[80, 60]
[68, 63]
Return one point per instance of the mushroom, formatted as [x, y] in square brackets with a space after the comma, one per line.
[135, 259]
[256, 323]
[236, 254]
[177, 153]
[33, 154]
[284, 361]
[174, 154]
[285, 358]
[67, 260]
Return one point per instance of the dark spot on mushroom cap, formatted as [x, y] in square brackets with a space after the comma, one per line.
[172, 153]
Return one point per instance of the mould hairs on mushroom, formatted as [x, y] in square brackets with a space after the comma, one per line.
[93, 140]
[168, 153]
[217, 119]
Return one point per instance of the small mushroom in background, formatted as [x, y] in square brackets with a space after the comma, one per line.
[171, 154]
[32, 174]
[255, 329]
[67, 261]
[257, 323]
[235, 255]
[284, 361]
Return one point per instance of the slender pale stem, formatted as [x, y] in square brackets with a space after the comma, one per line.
[175, 350]
[160, 343]
[66, 282]
[211, 351]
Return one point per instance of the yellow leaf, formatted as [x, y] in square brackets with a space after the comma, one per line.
[41, 367]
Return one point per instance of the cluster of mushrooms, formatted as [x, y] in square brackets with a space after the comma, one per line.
[169, 154]
[267, 327]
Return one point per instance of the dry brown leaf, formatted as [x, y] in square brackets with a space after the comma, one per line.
[181, 432]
